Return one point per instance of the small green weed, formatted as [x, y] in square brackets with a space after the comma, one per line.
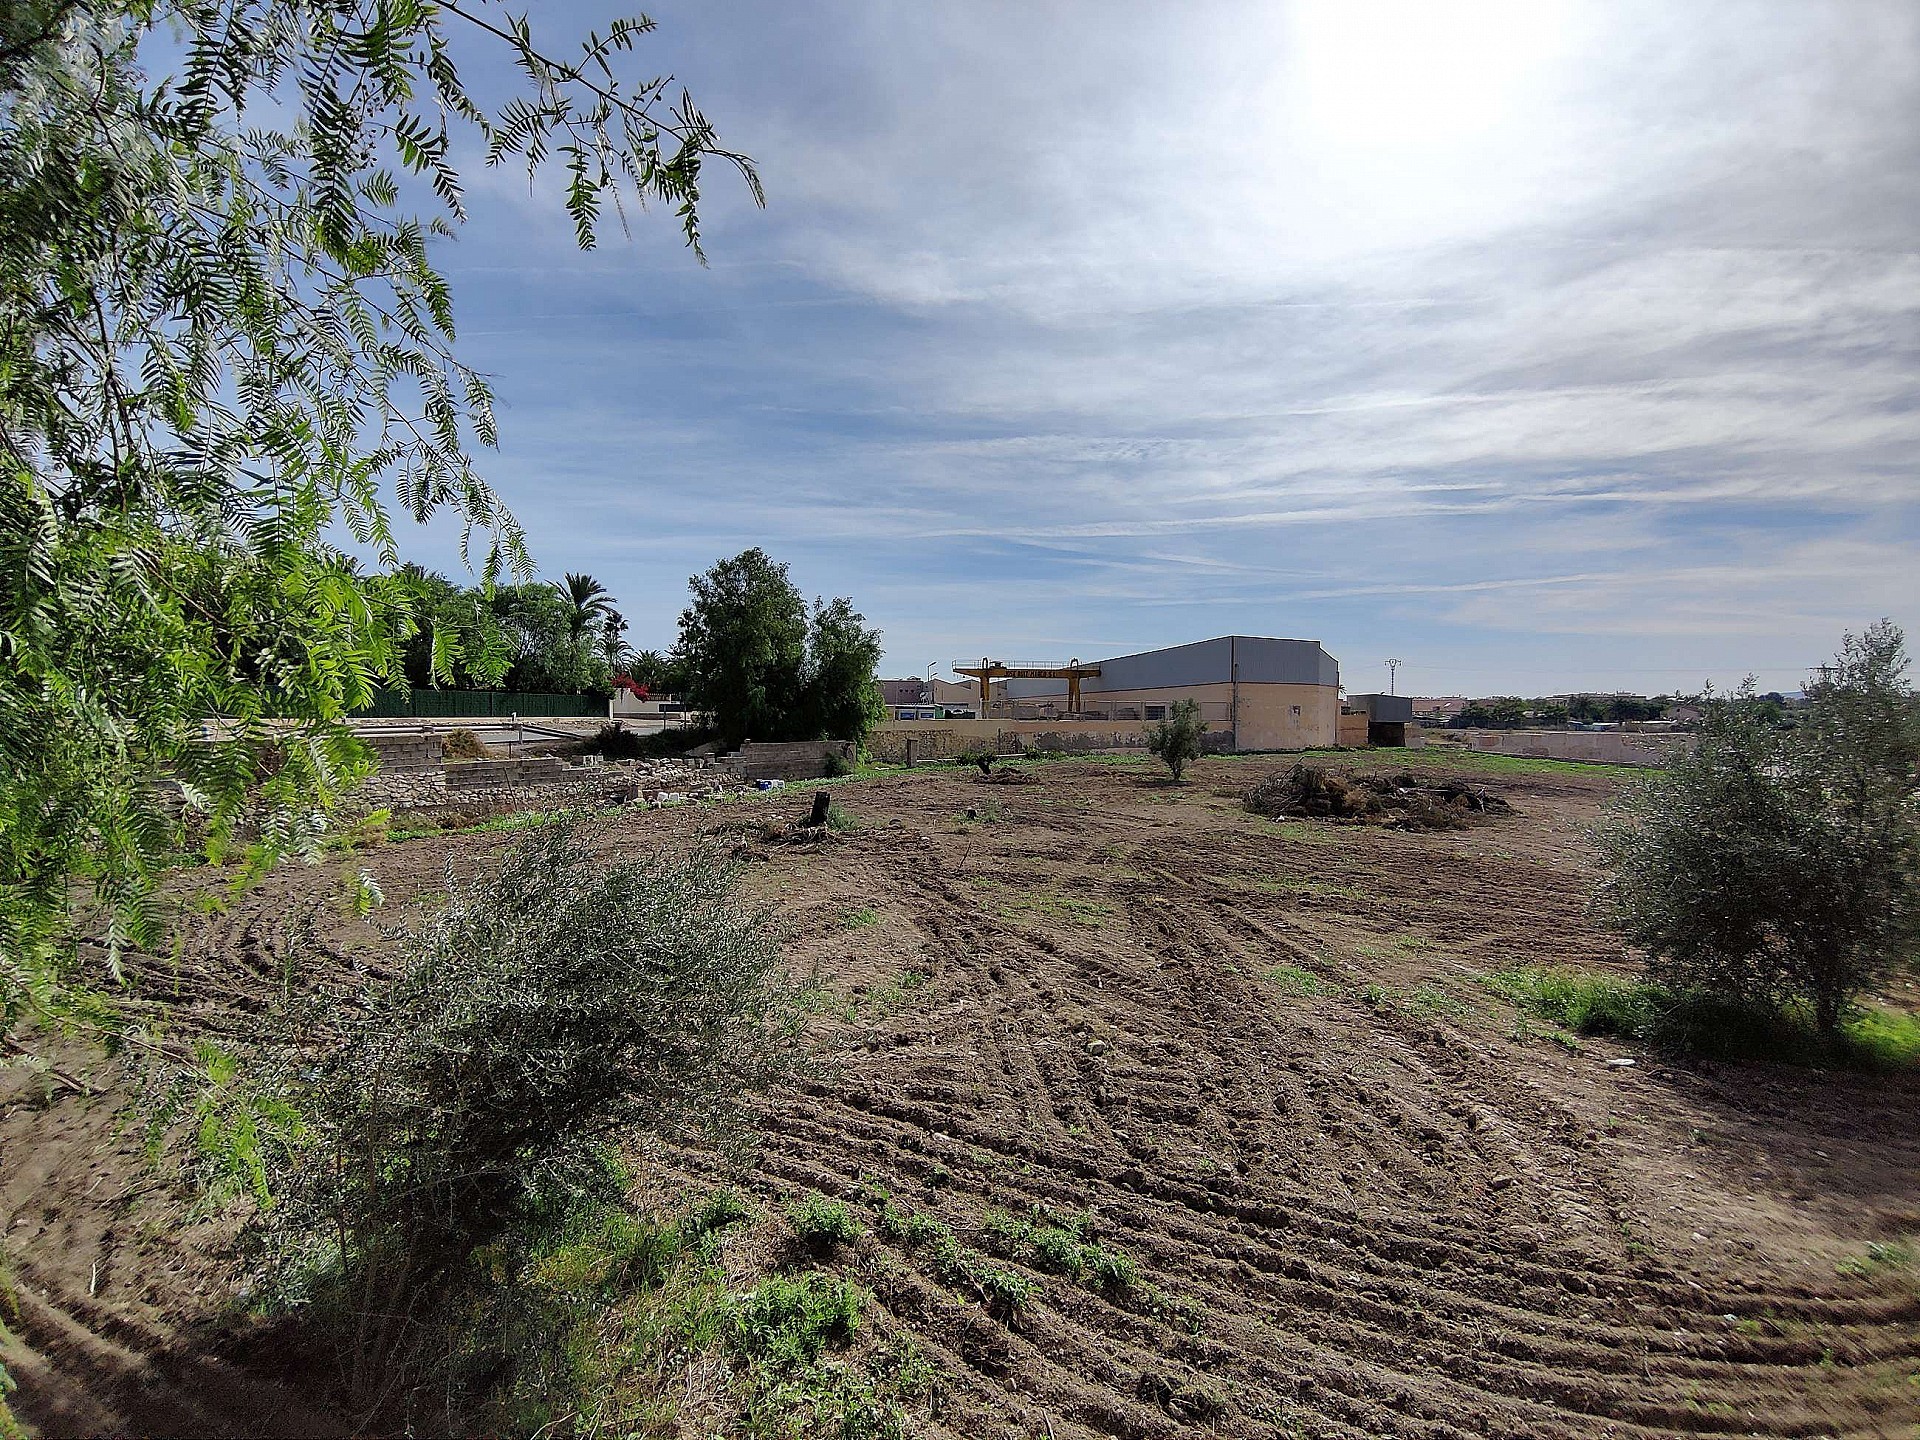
[1880, 1256]
[1292, 980]
[823, 1223]
[1062, 1245]
[860, 919]
[787, 1336]
[1006, 1292]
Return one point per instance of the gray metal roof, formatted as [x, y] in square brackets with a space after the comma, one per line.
[1261, 660]
[1383, 709]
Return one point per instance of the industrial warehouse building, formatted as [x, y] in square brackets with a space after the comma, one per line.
[1268, 694]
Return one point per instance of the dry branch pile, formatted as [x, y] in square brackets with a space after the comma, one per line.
[1401, 801]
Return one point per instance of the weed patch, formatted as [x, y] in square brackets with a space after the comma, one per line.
[1880, 1257]
[788, 1338]
[1874, 1038]
[1061, 1245]
[822, 1223]
[1292, 980]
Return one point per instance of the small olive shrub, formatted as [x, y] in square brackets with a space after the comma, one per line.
[558, 1004]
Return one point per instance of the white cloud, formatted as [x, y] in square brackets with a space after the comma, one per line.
[1530, 334]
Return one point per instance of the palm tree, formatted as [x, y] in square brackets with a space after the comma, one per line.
[587, 601]
[613, 641]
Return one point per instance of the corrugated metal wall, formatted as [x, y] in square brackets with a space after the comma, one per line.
[1263, 661]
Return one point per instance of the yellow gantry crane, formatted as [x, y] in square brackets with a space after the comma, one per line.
[988, 671]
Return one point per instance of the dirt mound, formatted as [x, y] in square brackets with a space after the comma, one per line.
[1003, 777]
[1402, 801]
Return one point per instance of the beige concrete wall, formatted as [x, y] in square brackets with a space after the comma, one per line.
[1267, 722]
[1606, 747]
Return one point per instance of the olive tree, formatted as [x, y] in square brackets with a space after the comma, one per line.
[556, 1008]
[1779, 867]
[1176, 740]
[223, 344]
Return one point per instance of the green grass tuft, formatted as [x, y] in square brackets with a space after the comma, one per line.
[1292, 980]
[821, 1222]
[1873, 1038]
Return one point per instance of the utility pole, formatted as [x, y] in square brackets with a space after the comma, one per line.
[1393, 676]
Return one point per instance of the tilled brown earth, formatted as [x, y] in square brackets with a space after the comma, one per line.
[1364, 1198]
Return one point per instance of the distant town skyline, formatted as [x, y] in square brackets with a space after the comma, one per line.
[1541, 346]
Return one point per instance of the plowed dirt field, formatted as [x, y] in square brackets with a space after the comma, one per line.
[1366, 1198]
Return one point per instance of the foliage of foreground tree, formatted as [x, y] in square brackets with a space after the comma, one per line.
[1177, 739]
[555, 1009]
[752, 657]
[222, 342]
[1778, 867]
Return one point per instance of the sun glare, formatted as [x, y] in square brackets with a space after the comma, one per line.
[1418, 74]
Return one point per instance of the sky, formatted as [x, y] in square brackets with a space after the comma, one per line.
[1540, 346]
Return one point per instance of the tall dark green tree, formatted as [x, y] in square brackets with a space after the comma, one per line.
[222, 343]
[743, 645]
[842, 695]
[762, 668]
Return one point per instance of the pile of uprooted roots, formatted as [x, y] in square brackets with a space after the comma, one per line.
[1402, 801]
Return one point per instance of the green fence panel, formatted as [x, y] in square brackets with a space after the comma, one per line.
[480, 704]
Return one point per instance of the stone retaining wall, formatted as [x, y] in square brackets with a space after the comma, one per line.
[794, 760]
[490, 774]
[417, 751]
[543, 783]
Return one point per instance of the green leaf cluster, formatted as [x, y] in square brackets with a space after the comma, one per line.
[763, 667]
[1177, 740]
[224, 353]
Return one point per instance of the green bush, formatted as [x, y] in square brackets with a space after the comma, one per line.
[1056, 1250]
[1111, 1270]
[1061, 1244]
[1006, 1292]
[1776, 869]
[559, 1003]
[1177, 739]
[787, 1322]
[822, 1222]
[615, 742]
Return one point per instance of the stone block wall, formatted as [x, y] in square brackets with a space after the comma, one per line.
[414, 751]
[490, 774]
[794, 760]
